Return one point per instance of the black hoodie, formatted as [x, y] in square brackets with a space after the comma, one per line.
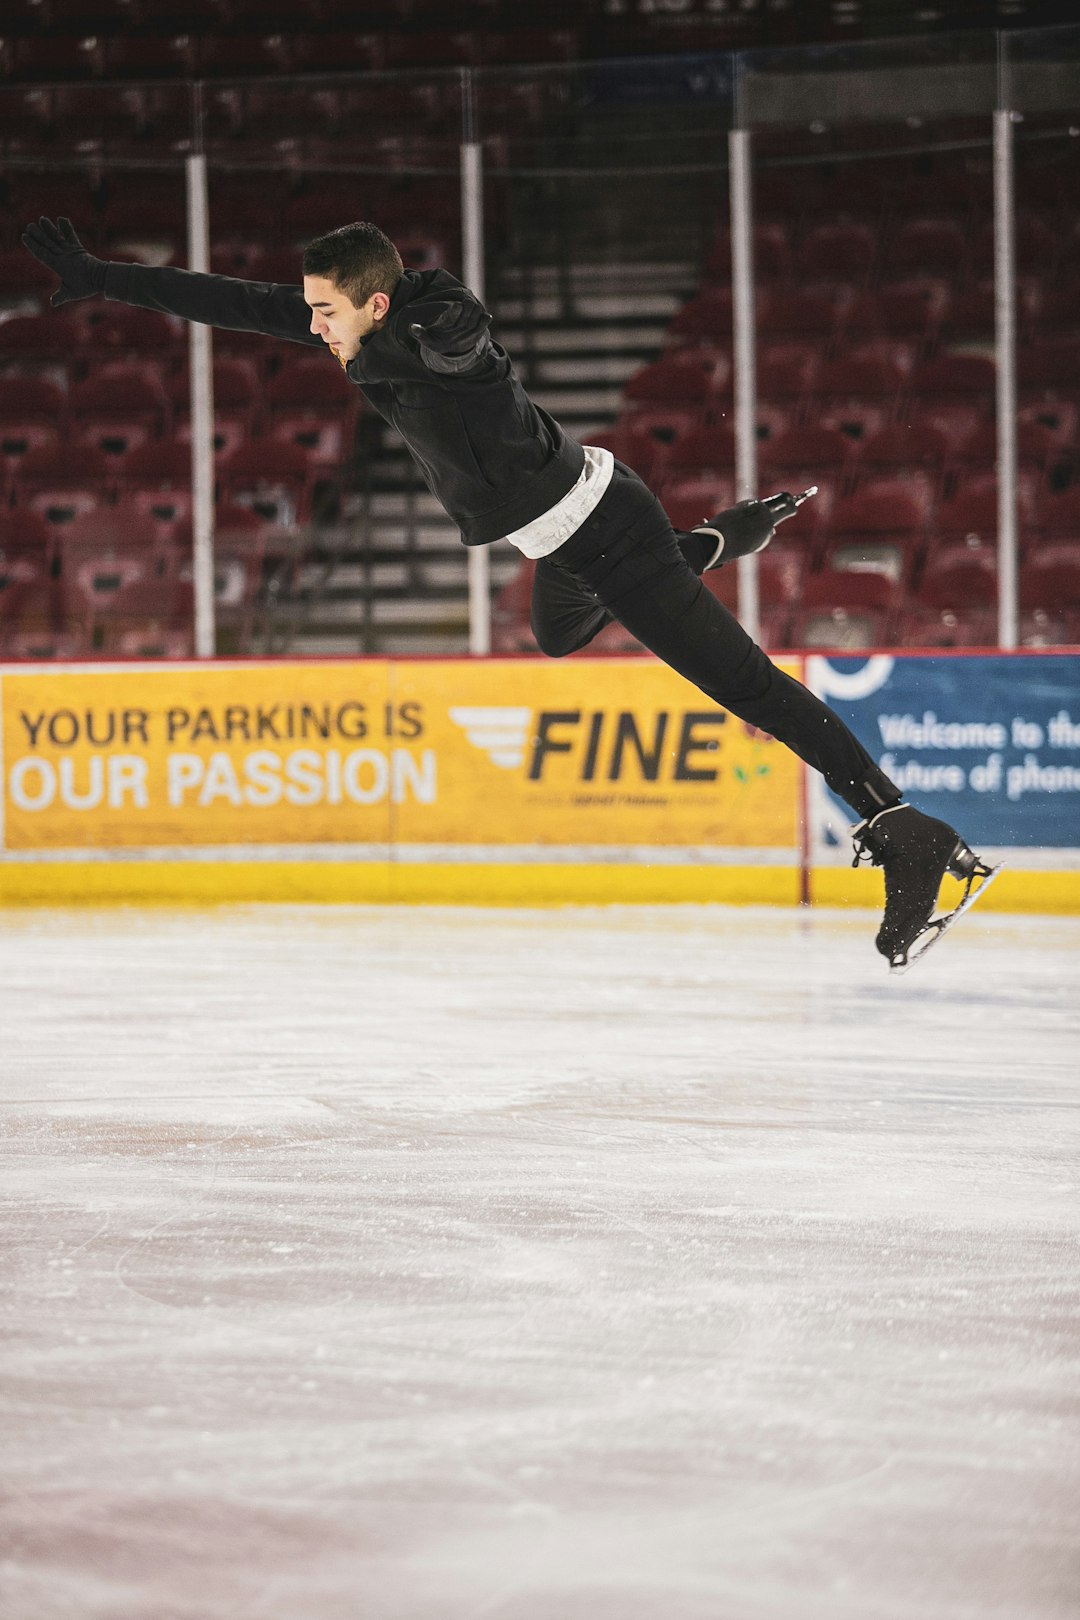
[493, 458]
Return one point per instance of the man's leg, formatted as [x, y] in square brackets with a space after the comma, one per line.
[627, 559]
[626, 562]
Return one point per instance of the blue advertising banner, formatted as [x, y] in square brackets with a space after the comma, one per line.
[990, 744]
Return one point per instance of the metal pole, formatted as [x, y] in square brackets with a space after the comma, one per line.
[742, 285]
[472, 254]
[1005, 337]
[202, 418]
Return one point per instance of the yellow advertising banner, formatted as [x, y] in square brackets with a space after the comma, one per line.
[509, 754]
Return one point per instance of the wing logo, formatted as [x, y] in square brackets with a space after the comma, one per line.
[500, 733]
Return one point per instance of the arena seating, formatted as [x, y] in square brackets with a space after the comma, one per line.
[875, 306]
[876, 319]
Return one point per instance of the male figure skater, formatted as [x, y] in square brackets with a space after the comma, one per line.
[418, 345]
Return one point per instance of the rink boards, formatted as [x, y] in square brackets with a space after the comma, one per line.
[513, 780]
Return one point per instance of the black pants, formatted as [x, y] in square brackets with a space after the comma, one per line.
[627, 563]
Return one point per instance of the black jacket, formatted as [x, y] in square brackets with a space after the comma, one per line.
[493, 458]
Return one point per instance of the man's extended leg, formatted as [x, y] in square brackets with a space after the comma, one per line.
[626, 563]
[626, 559]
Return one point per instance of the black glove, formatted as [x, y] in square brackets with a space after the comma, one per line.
[746, 528]
[56, 245]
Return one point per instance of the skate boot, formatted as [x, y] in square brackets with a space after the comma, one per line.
[749, 526]
[916, 851]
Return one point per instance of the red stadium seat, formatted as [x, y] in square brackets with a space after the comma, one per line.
[24, 283]
[689, 501]
[1051, 578]
[1050, 368]
[960, 576]
[905, 449]
[851, 192]
[62, 482]
[270, 477]
[786, 371]
[281, 265]
[25, 532]
[50, 342]
[956, 626]
[122, 527]
[971, 317]
[116, 584]
[936, 247]
[912, 310]
[230, 56]
[978, 451]
[971, 517]
[798, 316]
[152, 640]
[707, 449]
[343, 52]
[802, 453]
[17, 438]
[237, 392]
[1060, 417]
[708, 317]
[121, 391]
[58, 58]
[960, 377]
[122, 332]
[881, 528]
[845, 610]
[685, 377]
[1056, 517]
[39, 644]
[325, 440]
[875, 378]
[841, 251]
[32, 399]
[25, 566]
[115, 436]
[316, 381]
[96, 118]
[134, 56]
[648, 434]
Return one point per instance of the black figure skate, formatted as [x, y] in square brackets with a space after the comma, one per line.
[916, 851]
[749, 526]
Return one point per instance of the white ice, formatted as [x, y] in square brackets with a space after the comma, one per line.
[608, 1264]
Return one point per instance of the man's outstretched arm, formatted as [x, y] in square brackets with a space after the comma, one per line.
[225, 301]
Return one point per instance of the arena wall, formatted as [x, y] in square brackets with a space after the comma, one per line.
[510, 781]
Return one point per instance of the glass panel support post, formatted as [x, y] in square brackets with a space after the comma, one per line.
[1005, 339]
[745, 379]
[202, 417]
[472, 241]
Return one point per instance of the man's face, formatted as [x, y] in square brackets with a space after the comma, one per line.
[337, 320]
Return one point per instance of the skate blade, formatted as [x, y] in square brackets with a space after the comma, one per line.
[940, 925]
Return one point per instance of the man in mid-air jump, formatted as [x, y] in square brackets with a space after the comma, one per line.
[418, 345]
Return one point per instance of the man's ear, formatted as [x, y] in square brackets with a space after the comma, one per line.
[380, 306]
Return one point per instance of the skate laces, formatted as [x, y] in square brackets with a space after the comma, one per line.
[868, 852]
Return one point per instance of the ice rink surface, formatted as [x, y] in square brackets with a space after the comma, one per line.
[613, 1264]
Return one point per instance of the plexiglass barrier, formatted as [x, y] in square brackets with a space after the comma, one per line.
[894, 320]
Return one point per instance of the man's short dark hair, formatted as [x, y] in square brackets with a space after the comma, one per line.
[359, 259]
